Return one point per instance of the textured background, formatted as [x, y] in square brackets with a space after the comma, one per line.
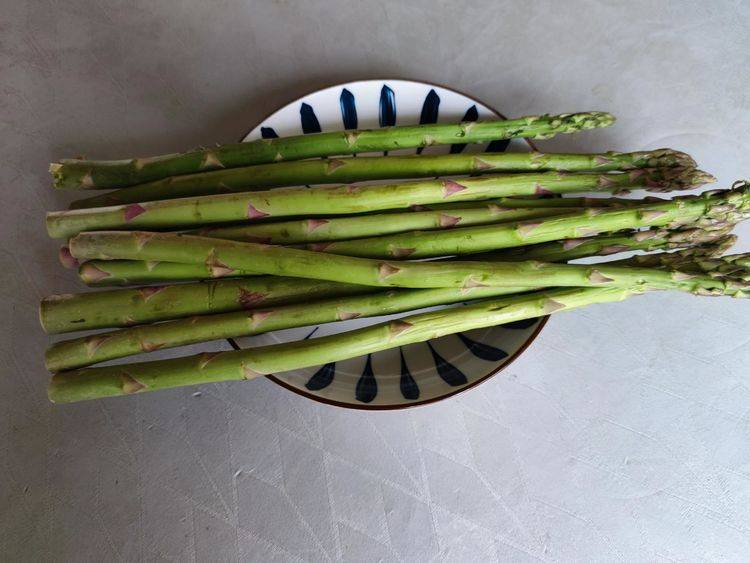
[622, 434]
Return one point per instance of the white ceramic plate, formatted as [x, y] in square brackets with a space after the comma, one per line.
[418, 373]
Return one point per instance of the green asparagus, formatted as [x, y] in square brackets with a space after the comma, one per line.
[89, 350]
[124, 307]
[93, 174]
[346, 170]
[328, 200]
[705, 209]
[98, 382]
[277, 260]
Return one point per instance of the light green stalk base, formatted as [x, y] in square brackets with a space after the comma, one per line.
[334, 200]
[347, 170]
[93, 174]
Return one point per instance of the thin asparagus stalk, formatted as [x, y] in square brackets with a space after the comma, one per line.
[93, 174]
[331, 200]
[352, 227]
[124, 307]
[347, 170]
[102, 273]
[92, 383]
[706, 209]
[604, 245]
[89, 350]
[277, 260]
[516, 202]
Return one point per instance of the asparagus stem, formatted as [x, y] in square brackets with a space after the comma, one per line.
[352, 227]
[284, 261]
[328, 200]
[92, 383]
[89, 350]
[346, 170]
[705, 209]
[516, 202]
[90, 174]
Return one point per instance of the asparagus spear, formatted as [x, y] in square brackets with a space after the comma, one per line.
[328, 200]
[89, 350]
[95, 174]
[603, 245]
[516, 202]
[352, 227]
[346, 170]
[285, 261]
[124, 307]
[92, 383]
[706, 209]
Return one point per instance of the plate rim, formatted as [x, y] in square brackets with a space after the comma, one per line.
[418, 403]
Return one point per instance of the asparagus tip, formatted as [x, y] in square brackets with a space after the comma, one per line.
[55, 169]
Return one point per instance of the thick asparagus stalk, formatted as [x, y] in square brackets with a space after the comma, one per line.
[277, 260]
[125, 307]
[352, 227]
[92, 383]
[346, 170]
[330, 200]
[705, 209]
[89, 350]
[94, 174]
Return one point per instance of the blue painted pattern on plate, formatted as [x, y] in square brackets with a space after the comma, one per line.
[367, 386]
[348, 109]
[309, 120]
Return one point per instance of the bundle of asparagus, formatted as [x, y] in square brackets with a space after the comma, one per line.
[255, 259]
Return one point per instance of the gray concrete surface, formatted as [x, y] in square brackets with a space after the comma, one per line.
[622, 434]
